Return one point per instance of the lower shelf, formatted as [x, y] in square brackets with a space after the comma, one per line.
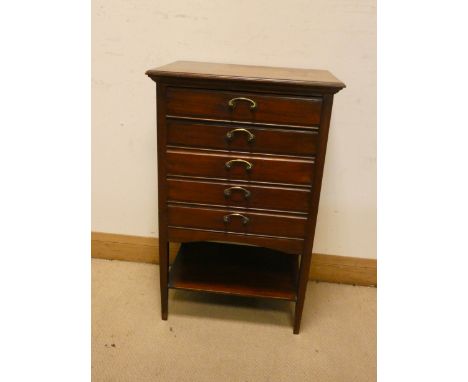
[234, 269]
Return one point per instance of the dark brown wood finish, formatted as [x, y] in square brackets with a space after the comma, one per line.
[248, 107]
[314, 203]
[238, 195]
[235, 270]
[243, 221]
[264, 168]
[287, 245]
[248, 74]
[241, 138]
[270, 126]
[162, 206]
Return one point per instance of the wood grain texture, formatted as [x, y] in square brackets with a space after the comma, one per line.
[235, 270]
[241, 195]
[212, 165]
[110, 246]
[185, 235]
[162, 205]
[314, 204]
[343, 270]
[202, 134]
[212, 104]
[327, 268]
[211, 94]
[243, 221]
[210, 71]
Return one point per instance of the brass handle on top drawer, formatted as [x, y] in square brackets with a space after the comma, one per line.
[230, 134]
[228, 191]
[248, 165]
[232, 102]
[227, 218]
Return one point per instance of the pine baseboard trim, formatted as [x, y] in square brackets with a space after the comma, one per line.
[328, 268]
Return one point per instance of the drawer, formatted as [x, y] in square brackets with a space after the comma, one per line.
[241, 138]
[235, 221]
[248, 107]
[215, 165]
[243, 195]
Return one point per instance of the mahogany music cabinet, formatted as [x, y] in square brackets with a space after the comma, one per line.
[241, 151]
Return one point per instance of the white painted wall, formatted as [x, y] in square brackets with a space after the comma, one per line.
[129, 37]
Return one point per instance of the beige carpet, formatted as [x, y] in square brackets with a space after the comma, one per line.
[220, 338]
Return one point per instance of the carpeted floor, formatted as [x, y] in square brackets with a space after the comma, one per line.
[221, 338]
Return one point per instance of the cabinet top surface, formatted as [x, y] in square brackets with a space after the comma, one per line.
[206, 70]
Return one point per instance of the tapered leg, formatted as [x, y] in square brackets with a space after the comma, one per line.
[163, 276]
[303, 278]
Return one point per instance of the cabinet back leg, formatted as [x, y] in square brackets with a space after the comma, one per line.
[302, 287]
[163, 276]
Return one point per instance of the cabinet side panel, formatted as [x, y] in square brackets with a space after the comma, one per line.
[314, 201]
[161, 137]
[319, 165]
[162, 196]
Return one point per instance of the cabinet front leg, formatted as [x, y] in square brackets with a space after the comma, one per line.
[163, 276]
[302, 287]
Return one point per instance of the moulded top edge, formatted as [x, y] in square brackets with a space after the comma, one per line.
[234, 72]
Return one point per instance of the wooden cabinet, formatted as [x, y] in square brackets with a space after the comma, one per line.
[241, 151]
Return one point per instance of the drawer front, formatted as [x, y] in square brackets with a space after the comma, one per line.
[264, 169]
[238, 195]
[241, 138]
[246, 107]
[245, 222]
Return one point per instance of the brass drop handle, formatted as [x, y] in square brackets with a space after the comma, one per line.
[232, 102]
[227, 218]
[250, 136]
[248, 165]
[228, 191]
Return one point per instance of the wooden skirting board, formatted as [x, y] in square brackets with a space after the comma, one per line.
[329, 268]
